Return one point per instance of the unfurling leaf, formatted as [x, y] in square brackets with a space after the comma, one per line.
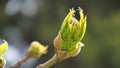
[3, 48]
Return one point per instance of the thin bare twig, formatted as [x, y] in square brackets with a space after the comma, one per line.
[50, 62]
[17, 65]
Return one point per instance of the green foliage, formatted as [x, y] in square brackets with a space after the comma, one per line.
[3, 48]
[72, 30]
[36, 49]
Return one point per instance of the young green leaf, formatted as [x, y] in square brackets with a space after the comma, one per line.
[72, 30]
[3, 48]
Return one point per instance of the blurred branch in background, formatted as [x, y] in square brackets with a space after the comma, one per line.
[22, 21]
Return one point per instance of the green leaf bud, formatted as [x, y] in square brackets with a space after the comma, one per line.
[72, 30]
[36, 49]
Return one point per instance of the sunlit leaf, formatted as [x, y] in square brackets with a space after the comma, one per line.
[3, 48]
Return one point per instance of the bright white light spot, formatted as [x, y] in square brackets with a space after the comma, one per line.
[12, 7]
[12, 55]
[29, 8]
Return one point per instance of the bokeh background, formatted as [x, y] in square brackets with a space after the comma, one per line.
[23, 21]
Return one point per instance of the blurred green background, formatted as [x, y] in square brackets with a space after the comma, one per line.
[23, 21]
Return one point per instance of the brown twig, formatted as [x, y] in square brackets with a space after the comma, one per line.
[17, 65]
[60, 56]
[50, 62]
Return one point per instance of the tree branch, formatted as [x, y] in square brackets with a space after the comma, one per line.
[50, 62]
[17, 65]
